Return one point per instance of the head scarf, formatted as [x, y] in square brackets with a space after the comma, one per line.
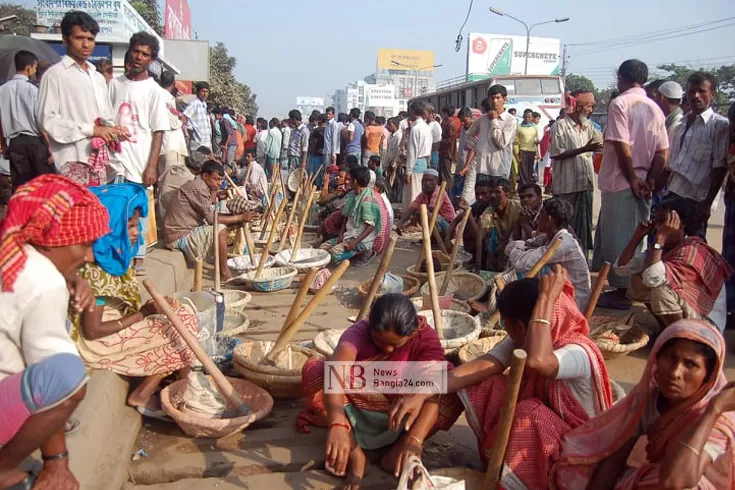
[49, 211]
[113, 252]
[584, 448]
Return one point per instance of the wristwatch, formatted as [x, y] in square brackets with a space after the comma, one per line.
[658, 246]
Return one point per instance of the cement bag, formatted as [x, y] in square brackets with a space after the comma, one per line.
[416, 477]
[391, 284]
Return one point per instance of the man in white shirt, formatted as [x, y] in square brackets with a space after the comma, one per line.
[273, 147]
[197, 115]
[436, 135]
[261, 145]
[418, 153]
[72, 96]
[331, 138]
[490, 139]
[172, 171]
[141, 107]
[42, 377]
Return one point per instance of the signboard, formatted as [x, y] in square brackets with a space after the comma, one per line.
[405, 59]
[178, 20]
[497, 54]
[100, 51]
[310, 101]
[190, 57]
[380, 95]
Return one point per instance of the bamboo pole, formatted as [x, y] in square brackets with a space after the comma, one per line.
[455, 250]
[544, 259]
[250, 243]
[299, 300]
[505, 422]
[268, 212]
[198, 272]
[438, 320]
[215, 242]
[304, 217]
[290, 331]
[596, 291]
[222, 382]
[287, 231]
[264, 253]
[434, 215]
[377, 278]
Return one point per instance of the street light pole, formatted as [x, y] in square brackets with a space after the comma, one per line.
[528, 30]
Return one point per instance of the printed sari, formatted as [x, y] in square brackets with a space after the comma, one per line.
[545, 410]
[587, 446]
[368, 412]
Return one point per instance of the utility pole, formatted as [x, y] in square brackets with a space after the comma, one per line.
[564, 62]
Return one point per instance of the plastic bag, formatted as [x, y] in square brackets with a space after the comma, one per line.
[202, 398]
[391, 284]
[416, 477]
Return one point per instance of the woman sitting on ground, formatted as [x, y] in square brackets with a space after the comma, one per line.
[565, 382]
[359, 421]
[676, 429]
[331, 202]
[121, 334]
[680, 276]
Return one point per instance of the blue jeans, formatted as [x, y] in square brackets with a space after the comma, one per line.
[315, 163]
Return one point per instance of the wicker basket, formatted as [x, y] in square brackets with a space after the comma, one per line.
[618, 345]
[236, 299]
[294, 179]
[240, 264]
[236, 322]
[310, 258]
[457, 305]
[476, 348]
[410, 286]
[459, 329]
[326, 341]
[443, 260]
[259, 401]
[465, 286]
[282, 381]
[273, 279]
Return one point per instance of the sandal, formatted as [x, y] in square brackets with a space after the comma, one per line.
[71, 426]
[25, 484]
[140, 270]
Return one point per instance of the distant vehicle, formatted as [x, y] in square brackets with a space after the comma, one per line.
[542, 94]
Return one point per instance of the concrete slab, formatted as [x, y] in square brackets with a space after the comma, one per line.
[168, 270]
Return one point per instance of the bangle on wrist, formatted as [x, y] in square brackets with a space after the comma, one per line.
[55, 457]
[543, 321]
[416, 439]
[341, 424]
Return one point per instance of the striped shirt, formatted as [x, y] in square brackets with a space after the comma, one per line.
[199, 123]
[299, 141]
[698, 148]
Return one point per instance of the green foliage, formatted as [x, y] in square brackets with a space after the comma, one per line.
[148, 9]
[23, 24]
[725, 75]
[574, 82]
[225, 90]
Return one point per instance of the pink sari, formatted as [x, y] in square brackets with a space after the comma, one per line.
[587, 446]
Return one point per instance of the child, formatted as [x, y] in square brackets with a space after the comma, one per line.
[374, 165]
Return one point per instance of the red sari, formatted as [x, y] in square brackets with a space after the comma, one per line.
[545, 410]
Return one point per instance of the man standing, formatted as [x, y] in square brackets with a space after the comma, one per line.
[285, 145]
[698, 163]
[273, 147]
[491, 139]
[394, 159]
[418, 153]
[354, 134]
[172, 171]
[261, 141]
[298, 150]
[448, 146]
[463, 189]
[228, 142]
[668, 98]
[72, 97]
[20, 139]
[331, 139]
[635, 152]
[198, 117]
[436, 135]
[250, 133]
[526, 146]
[574, 139]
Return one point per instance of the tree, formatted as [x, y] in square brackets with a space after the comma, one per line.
[574, 82]
[23, 24]
[225, 89]
[148, 9]
[725, 75]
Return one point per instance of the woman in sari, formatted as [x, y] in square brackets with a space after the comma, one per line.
[331, 202]
[358, 421]
[121, 334]
[676, 429]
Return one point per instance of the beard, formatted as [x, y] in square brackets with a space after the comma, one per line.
[582, 117]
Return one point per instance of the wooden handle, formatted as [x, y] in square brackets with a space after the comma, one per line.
[478, 245]
[545, 258]
[499, 286]
[291, 214]
[434, 214]
[377, 278]
[230, 181]
[285, 337]
[304, 217]
[222, 383]
[215, 244]
[455, 251]
[247, 176]
[268, 212]
[505, 422]
[264, 253]
[198, 273]
[250, 243]
[299, 300]
[438, 237]
[596, 291]
[313, 178]
[438, 320]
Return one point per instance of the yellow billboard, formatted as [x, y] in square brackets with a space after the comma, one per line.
[405, 59]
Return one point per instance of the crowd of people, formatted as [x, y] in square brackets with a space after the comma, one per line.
[86, 149]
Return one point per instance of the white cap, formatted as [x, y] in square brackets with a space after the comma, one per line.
[432, 172]
[671, 90]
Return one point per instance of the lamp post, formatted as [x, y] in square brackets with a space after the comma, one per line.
[415, 70]
[528, 29]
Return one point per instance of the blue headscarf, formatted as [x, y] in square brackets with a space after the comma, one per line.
[113, 252]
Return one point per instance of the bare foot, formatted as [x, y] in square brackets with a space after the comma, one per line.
[478, 307]
[356, 469]
[142, 394]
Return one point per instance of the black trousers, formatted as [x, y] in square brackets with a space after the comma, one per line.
[28, 159]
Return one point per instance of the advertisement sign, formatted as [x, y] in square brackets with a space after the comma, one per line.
[310, 101]
[498, 54]
[178, 20]
[380, 96]
[405, 59]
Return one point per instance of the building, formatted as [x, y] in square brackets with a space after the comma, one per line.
[306, 105]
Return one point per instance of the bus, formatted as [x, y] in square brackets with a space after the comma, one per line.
[542, 94]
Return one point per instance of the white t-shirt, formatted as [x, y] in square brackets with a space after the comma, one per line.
[436, 132]
[575, 370]
[389, 206]
[33, 324]
[173, 140]
[141, 107]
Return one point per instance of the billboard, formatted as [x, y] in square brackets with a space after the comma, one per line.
[498, 54]
[310, 101]
[178, 20]
[405, 59]
[380, 95]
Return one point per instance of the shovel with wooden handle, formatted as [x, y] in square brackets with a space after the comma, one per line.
[438, 320]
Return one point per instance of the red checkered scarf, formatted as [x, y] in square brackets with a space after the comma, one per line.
[99, 158]
[697, 273]
[50, 211]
